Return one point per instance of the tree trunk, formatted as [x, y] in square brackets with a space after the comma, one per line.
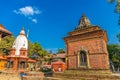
[113, 68]
[118, 69]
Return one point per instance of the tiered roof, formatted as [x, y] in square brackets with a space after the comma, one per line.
[3, 30]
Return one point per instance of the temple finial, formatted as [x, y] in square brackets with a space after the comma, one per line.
[84, 22]
[23, 28]
[22, 31]
[83, 15]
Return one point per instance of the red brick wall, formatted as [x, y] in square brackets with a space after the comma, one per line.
[97, 53]
[98, 61]
[96, 45]
[58, 65]
[72, 63]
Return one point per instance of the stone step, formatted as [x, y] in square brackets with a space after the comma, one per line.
[51, 78]
[91, 71]
[88, 76]
[55, 78]
[66, 78]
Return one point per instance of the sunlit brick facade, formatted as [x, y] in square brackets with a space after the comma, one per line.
[86, 47]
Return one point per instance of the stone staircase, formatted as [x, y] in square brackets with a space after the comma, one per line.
[87, 75]
[77, 75]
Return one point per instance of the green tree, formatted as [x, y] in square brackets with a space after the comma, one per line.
[112, 49]
[114, 55]
[6, 44]
[117, 8]
[111, 1]
[36, 49]
[61, 51]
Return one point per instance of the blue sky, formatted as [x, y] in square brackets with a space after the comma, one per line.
[50, 20]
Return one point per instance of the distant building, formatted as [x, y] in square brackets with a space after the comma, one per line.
[4, 32]
[61, 56]
[58, 63]
[57, 57]
[86, 46]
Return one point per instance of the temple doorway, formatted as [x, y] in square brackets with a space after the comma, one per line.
[83, 58]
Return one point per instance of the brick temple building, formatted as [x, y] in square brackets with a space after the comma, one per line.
[86, 46]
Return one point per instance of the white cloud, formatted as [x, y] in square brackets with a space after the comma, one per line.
[34, 20]
[27, 11]
[15, 12]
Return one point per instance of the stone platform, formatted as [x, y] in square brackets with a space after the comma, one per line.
[87, 75]
[36, 75]
[73, 75]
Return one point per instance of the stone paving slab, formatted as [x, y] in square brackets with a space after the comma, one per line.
[9, 77]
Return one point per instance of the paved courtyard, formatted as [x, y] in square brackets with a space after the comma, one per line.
[9, 77]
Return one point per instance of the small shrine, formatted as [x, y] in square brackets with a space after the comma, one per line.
[86, 46]
[18, 57]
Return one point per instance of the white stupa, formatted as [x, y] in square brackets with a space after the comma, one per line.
[20, 42]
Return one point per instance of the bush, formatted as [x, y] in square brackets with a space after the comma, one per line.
[45, 69]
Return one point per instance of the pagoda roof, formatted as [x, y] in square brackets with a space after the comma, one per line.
[2, 29]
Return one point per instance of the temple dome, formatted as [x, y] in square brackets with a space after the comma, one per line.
[20, 42]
